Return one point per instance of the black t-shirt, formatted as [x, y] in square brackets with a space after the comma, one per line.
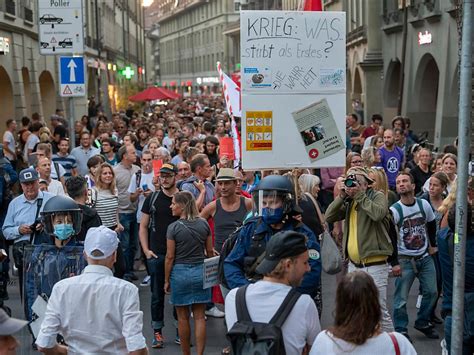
[162, 219]
[420, 178]
[310, 215]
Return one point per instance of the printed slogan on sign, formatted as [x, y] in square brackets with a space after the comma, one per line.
[293, 89]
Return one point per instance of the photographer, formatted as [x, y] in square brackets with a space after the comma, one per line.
[366, 242]
[22, 224]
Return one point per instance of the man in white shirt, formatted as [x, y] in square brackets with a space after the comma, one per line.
[44, 170]
[95, 312]
[32, 140]
[9, 142]
[284, 265]
[141, 184]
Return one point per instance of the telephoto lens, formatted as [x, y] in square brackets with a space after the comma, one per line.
[350, 181]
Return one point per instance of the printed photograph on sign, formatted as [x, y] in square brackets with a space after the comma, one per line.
[318, 130]
[259, 130]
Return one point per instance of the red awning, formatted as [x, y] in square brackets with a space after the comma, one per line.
[154, 93]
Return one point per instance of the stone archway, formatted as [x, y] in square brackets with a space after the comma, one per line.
[27, 90]
[425, 96]
[48, 94]
[6, 98]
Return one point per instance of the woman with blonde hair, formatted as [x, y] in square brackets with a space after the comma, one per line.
[105, 197]
[449, 166]
[188, 243]
[381, 184]
[370, 157]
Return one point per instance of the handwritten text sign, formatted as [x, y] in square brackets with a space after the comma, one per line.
[293, 52]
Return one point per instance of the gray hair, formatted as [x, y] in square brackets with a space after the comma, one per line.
[308, 182]
[162, 151]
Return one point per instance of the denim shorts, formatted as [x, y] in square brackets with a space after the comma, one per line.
[186, 285]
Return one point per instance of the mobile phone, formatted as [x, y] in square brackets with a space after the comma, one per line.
[145, 187]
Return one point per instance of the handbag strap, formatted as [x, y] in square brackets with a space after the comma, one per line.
[395, 343]
[318, 210]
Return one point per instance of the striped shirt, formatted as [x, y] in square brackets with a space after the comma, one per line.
[68, 162]
[106, 205]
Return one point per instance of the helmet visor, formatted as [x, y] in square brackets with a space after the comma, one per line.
[66, 217]
[269, 199]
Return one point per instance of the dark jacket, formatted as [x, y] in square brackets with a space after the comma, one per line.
[236, 261]
[90, 219]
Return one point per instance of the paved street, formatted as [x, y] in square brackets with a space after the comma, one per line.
[216, 330]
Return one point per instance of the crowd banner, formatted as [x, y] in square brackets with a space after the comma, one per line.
[210, 270]
[293, 89]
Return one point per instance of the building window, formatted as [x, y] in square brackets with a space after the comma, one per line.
[10, 7]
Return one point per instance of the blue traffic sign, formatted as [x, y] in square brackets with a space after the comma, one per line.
[72, 70]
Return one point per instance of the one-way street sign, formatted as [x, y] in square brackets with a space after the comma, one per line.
[72, 77]
[61, 29]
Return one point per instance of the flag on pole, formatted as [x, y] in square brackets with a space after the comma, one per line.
[313, 5]
[232, 99]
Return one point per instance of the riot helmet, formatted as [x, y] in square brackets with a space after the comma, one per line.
[274, 198]
[62, 217]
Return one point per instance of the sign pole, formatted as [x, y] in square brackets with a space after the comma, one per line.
[72, 133]
[464, 123]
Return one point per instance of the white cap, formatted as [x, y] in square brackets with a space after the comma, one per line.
[101, 239]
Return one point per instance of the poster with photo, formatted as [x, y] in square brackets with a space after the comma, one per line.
[318, 130]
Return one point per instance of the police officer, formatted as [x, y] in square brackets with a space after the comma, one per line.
[22, 224]
[62, 257]
[277, 212]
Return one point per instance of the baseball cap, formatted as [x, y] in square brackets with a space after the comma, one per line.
[28, 175]
[226, 174]
[361, 172]
[8, 325]
[100, 239]
[169, 168]
[282, 245]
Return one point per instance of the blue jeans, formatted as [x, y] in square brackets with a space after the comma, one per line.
[424, 270]
[156, 268]
[129, 239]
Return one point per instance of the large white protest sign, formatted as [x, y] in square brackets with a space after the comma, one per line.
[293, 89]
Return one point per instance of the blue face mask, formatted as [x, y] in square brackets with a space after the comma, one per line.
[63, 231]
[272, 215]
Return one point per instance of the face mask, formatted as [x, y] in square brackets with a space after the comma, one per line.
[272, 215]
[63, 231]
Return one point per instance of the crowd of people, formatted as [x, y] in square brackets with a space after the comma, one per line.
[151, 191]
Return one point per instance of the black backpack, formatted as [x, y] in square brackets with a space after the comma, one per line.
[252, 338]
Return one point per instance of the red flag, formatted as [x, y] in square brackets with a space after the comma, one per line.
[313, 5]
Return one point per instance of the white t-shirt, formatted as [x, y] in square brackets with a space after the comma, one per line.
[56, 188]
[263, 300]
[326, 343]
[30, 145]
[146, 179]
[413, 236]
[10, 140]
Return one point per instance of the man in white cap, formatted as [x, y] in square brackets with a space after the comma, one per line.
[9, 326]
[95, 312]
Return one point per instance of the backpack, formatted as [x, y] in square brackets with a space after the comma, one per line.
[399, 209]
[226, 249]
[151, 222]
[250, 338]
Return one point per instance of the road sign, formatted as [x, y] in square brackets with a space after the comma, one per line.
[61, 29]
[72, 77]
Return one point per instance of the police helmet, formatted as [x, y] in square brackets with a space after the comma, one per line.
[61, 206]
[275, 186]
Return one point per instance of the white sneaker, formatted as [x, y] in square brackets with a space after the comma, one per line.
[146, 281]
[444, 348]
[215, 312]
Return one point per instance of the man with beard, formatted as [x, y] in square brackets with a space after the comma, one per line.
[417, 241]
[391, 158]
[156, 217]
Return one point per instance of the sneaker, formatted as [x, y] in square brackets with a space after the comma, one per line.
[158, 341]
[444, 347]
[405, 334]
[146, 281]
[215, 312]
[429, 332]
[177, 340]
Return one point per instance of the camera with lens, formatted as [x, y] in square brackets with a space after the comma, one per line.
[350, 181]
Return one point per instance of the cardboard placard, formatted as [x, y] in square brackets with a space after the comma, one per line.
[226, 148]
[210, 270]
[157, 164]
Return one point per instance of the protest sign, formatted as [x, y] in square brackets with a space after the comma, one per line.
[210, 271]
[226, 148]
[293, 89]
[157, 164]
